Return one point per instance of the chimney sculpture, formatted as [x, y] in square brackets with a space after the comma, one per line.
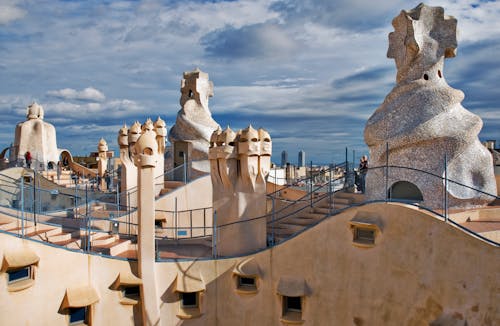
[240, 163]
[146, 159]
[422, 121]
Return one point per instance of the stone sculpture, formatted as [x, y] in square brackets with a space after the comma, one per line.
[240, 163]
[422, 121]
[127, 140]
[102, 164]
[36, 136]
[194, 121]
[146, 159]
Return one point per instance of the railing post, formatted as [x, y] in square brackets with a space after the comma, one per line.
[273, 217]
[204, 222]
[86, 200]
[311, 184]
[445, 193]
[346, 161]
[185, 167]
[386, 172]
[89, 227]
[214, 235]
[22, 204]
[34, 195]
[330, 190]
[118, 199]
[157, 250]
[191, 222]
[175, 218]
[128, 209]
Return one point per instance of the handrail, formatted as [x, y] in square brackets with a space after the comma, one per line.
[331, 167]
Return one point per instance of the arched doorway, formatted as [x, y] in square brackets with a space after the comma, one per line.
[406, 191]
[66, 158]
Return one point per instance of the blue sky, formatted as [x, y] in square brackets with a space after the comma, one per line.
[309, 71]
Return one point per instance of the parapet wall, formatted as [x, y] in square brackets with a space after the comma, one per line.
[419, 270]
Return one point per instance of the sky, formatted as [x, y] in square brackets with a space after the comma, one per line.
[311, 72]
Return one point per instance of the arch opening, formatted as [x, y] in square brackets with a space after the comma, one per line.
[405, 191]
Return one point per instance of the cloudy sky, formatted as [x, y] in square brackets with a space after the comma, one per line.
[309, 71]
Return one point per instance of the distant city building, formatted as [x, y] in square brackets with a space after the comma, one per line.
[284, 158]
[302, 159]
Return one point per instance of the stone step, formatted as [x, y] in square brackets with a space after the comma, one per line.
[320, 210]
[172, 184]
[299, 220]
[282, 231]
[59, 237]
[164, 191]
[19, 230]
[340, 200]
[114, 248]
[44, 232]
[313, 215]
[292, 227]
[105, 240]
[70, 243]
[8, 225]
[341, 206]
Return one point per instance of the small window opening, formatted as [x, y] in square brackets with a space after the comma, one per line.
[190, 94]
[147, 151]
[181, 154]
[189, 299]
[19, 274]
[78, 316]
[246, 284]
[439, 74]
[158, 224]
[131, 292]
[292, 304]
[426, 77]
[255, 139]
[363, 235]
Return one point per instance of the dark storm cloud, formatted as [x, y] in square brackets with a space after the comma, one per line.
[259, 40]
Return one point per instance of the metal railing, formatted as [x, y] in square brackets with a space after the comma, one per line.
[187, 225]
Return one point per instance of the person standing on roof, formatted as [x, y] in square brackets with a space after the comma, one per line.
[363, 169]
[27, 158]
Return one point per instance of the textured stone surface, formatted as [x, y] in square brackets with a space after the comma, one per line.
[422, 120]
[194, 121]
[36, 136]
[239, 165]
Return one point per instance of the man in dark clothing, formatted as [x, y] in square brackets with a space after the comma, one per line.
[363, 169]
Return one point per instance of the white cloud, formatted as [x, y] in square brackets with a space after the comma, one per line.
[326, 64]
[87, 94]
[9, 12]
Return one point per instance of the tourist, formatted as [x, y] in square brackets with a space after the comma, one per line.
[27, 157]
[107, 178]
[362, 169]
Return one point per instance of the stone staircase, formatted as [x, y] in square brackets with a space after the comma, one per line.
[169, 186]
[101, 242]
[64, 179]
[286, 227]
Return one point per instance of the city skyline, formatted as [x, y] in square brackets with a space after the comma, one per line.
[309, 72]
